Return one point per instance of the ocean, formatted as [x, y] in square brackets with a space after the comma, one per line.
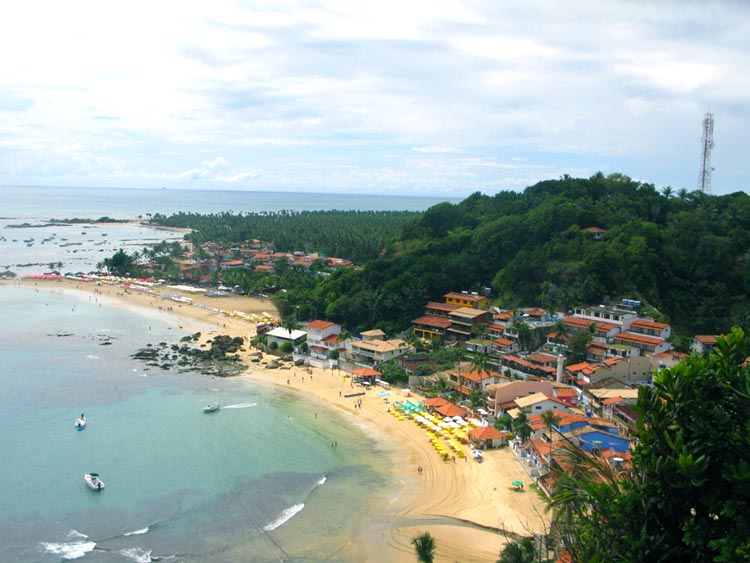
[27, 246]
[257, 481]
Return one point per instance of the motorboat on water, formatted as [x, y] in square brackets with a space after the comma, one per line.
[213, 407]
[81, 422]
[93, 481]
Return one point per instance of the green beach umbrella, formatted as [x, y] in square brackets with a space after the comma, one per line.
[517, 483]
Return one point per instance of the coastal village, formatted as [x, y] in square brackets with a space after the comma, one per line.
[510, 364]
[526, 386]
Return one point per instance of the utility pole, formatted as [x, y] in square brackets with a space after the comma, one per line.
[704, 176]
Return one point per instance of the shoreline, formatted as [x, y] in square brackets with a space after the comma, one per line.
[464, 505]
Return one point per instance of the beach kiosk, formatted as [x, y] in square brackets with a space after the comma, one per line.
[487, 437]
[366, 376]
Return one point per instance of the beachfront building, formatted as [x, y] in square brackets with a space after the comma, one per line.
[486, 437]
[374, 351]
[468, 382]
[281, 336]
[538, 403]
[501, 397]
[323, 338]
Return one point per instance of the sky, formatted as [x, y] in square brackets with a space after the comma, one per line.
[418, 97]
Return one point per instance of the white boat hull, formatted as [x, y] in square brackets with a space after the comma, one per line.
[93, 481]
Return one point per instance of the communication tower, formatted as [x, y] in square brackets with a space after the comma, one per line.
[704, 176]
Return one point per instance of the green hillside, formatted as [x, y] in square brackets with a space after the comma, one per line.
[684, 254]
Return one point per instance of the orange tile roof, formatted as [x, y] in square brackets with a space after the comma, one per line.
[486, 433]
[706, 338]
[535, 312]
[541, 358]
[639, 339]
[585, 324]
[477, 377]
[452, 409]
[565, 392]
[612, 361]
[319, 325]
[503, 342]
[648, 325]
[441, 306]
[436, 402]
[433, 321]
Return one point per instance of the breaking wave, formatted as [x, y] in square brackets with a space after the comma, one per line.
[285, 516]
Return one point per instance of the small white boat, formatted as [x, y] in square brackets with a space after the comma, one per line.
[213, 407]
[93, 481]
[81, 422]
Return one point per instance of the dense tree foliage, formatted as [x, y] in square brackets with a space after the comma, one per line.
[687, 495]
[686, 256]
[355, 235]
[683, 254]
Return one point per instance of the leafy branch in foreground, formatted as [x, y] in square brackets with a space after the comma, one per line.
[686, 494]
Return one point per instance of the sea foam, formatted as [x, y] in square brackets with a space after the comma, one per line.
[287, 515]
[70, 550]
[137, 554]
[137, 532]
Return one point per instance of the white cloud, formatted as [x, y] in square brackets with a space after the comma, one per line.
[341, 95]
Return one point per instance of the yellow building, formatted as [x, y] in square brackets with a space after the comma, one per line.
[467, 299]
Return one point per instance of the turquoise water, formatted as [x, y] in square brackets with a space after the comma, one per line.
[256, 481]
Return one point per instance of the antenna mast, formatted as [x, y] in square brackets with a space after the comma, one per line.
[704, 176]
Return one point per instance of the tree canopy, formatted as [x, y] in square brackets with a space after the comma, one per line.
[686, 496]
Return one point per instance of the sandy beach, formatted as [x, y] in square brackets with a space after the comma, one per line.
[466, 506]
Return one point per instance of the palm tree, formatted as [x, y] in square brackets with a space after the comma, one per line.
[424, 545]
[522, 427]
[522, 330]
[560, 330]
[458, 353]
[667, 191]
[521, 551]
[481, 363]
[550, 420]
[290, 323]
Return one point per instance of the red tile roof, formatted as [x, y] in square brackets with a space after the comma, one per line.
[319, 325]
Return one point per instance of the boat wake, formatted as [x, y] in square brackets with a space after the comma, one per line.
[241, 406]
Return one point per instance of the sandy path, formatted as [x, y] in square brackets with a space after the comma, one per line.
[435, 501]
